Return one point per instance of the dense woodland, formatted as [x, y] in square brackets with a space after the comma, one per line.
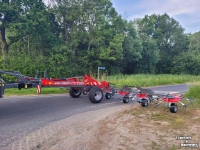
[74, 37]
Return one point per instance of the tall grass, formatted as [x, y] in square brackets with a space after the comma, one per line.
[145, 80]
[194, 92]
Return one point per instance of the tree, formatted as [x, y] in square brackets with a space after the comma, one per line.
[132, 48]
[9, 13]
[92, 30]
[194, 45]
[36, 30]
[189, 62]
[170, 38]
[150, 57]
[31, 38]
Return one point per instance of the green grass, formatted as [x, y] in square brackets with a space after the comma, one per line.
[33, 91]
[145, 80]
[194, 92]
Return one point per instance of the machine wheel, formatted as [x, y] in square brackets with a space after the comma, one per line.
[173, 108]
[95, 95]
[108, 96]
[125, 100]
[75, 92]
[2, 92]
[144, 103]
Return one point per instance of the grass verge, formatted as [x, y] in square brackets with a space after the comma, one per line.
[194, 92]
[162, 126]
[145, 80]
[33, 91]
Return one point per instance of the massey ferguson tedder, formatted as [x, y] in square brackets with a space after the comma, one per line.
[95, 90]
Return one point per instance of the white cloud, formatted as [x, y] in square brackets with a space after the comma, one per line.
[177, 7]
[186, 12]
[172, 7]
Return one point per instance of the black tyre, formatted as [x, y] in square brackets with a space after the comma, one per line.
[95, 95]
[75, 92]
[173, 108]
[2, 92]
[108, 96]
[125, 100]
[144, 103]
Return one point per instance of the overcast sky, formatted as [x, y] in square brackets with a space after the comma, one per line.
[186, 12]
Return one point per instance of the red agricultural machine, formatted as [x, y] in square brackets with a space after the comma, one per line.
[95, 89]
[77, 85]
[147, 96]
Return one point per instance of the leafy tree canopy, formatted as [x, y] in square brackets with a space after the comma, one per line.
[70, 37]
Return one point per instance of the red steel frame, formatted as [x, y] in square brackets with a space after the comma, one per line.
[83, 81]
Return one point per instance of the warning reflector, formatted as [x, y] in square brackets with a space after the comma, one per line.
[38, 89]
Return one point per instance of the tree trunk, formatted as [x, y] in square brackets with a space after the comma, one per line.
[28, 46]
[65, 28]
[3, 40]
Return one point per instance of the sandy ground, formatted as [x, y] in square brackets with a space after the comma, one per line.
[126, 127]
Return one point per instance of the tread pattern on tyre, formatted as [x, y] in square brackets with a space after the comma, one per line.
[144, 103]
[74, 93]
[125, 100]
[92, 93]
[173, 108]
[108, 96]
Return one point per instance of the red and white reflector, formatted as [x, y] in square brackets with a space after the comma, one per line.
[38, 89]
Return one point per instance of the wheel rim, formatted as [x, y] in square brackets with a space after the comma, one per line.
[145, 103]
[175, 108]
[98, 95]
[76, 91]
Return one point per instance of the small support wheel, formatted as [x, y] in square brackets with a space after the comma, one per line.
[95, 95]
[75, 92]
[108, 96]
[125, 100]
[144, 103]
[173, 108]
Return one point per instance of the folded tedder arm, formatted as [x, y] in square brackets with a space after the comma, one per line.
[77, 85]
